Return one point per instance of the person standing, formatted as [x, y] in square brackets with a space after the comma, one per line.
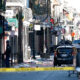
[7, 53]
[78, 62]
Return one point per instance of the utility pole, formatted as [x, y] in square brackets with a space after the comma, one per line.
[20, 32]
[34, 44]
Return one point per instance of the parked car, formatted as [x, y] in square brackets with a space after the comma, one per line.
[76, 43]
[64, 55]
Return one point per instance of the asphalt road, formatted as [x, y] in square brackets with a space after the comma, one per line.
[38, 75]
[45, 75]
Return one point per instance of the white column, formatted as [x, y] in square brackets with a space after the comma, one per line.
[52, 9]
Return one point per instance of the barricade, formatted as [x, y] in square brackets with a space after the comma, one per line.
[36, 69]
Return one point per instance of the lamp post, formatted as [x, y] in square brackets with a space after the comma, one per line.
[45, 40]
[13, 34]
[44, 46]
[20, 32]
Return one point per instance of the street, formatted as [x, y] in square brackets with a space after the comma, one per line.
[39, 40]
[38, 62]
[45, 75]
[37, 75]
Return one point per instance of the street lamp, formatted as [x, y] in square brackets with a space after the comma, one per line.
[44, 46]
[45, 25]
[13, 34]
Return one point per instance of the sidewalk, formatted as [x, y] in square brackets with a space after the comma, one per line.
[38, 62]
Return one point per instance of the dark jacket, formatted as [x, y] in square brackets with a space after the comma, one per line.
[8, 51]
[78, 60]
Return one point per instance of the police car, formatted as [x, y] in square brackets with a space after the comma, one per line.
[64, 55]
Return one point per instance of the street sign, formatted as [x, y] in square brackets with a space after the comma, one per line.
[9, 13]
[13, 22]
[37, 27]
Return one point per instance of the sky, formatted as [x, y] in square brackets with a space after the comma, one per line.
[74, 4]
